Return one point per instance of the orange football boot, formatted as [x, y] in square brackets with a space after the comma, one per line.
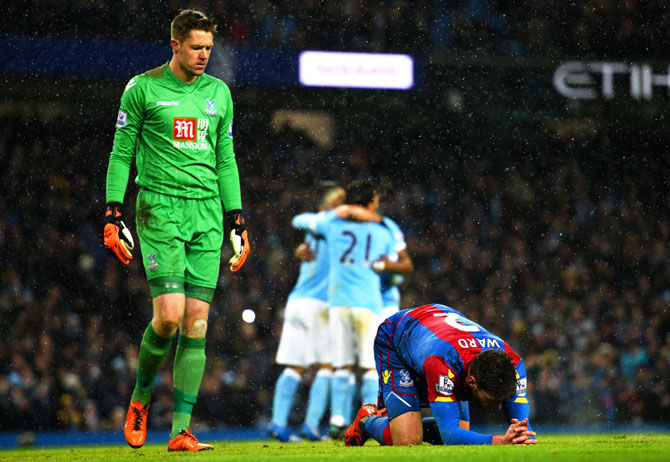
[186, 441]
[135, 429]
[354, 435]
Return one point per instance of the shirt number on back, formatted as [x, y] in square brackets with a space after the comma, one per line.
[454, 320]
[345, 258]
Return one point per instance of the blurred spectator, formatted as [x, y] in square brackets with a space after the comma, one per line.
[589, 29]
[570, 257]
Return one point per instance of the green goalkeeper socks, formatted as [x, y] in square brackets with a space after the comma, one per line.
[189, 367]
[153, 351]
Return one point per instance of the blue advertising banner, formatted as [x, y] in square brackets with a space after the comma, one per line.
[59, 57]
[55, 57]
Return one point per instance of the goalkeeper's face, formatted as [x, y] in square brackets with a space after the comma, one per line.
[193, 53]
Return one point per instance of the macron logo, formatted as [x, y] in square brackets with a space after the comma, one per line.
[167, 103]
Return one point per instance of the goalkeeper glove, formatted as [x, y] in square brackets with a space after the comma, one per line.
[117, 237]
[238, 239]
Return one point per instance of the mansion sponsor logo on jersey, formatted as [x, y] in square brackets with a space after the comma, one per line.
[189, 133]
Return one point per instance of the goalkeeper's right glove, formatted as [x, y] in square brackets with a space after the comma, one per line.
[117, 236]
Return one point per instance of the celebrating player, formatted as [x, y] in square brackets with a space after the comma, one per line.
[354, 295]
[433, 355]
[391, 269]
[305, 338]
[179, 122]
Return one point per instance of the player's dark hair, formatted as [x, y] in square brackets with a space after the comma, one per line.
[361, 192]
[495, 373]
[188, 20]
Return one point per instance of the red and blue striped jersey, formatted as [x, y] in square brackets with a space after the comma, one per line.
[439, 343]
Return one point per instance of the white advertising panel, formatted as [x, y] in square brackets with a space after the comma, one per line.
[356, 70]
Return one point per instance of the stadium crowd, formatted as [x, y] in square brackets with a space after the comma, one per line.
[592, 28]
[559, 244]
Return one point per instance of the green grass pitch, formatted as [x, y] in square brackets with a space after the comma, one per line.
[573, 448]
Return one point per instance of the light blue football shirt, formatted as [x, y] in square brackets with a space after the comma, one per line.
[390, 280]
[352, 247]
[313, 277]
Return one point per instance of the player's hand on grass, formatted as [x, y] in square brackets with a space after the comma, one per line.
[304, 253]
[517, 433]
[239, 239]
[524, 436]
[117, 236]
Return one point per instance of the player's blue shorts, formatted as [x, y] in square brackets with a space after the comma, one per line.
[400, 390]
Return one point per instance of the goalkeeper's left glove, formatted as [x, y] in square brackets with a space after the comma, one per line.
[117, 237]
[238, 239]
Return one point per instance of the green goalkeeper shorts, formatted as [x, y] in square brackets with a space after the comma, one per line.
[180, 240]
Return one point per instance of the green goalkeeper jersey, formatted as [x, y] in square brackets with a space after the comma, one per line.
[182, 136]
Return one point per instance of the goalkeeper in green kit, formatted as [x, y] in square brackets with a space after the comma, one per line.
[178, 120]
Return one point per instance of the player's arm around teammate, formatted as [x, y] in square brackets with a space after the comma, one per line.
[403, 264]
[305, 340]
